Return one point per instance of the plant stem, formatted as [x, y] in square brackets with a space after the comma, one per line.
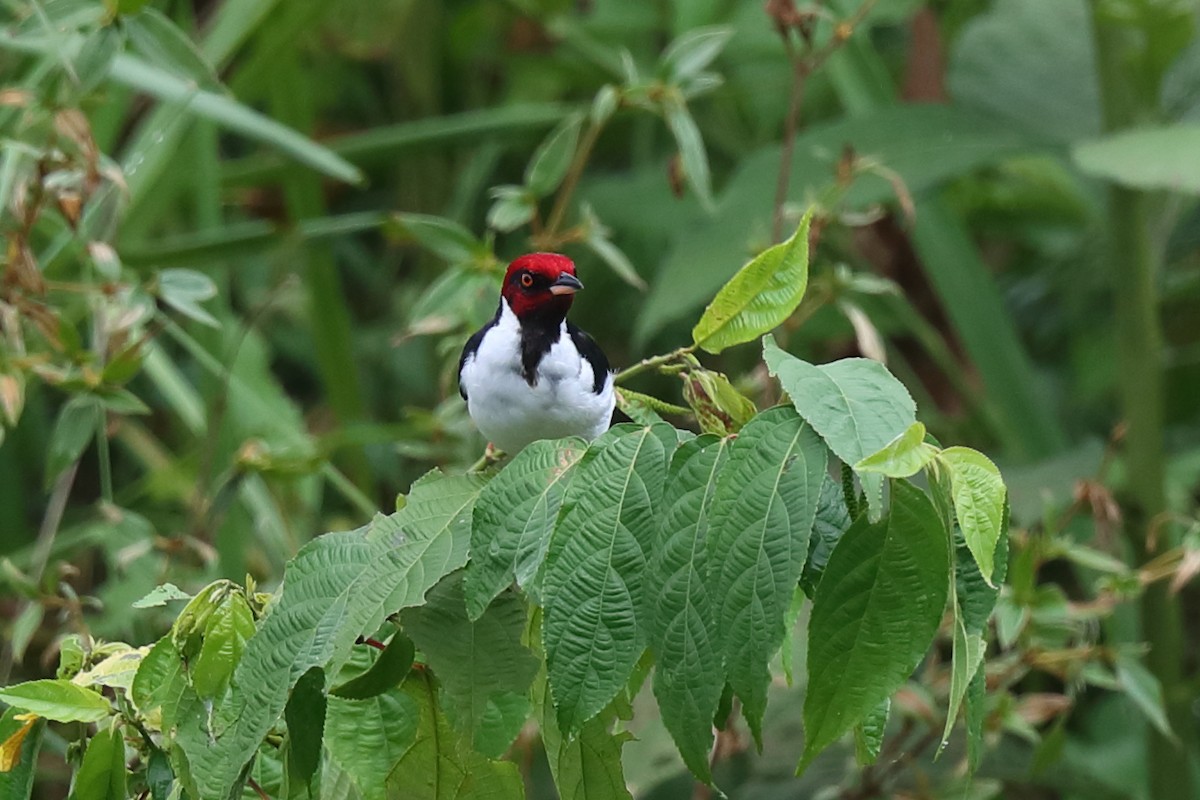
[1139, 353]
[654, 361]
[574, 172]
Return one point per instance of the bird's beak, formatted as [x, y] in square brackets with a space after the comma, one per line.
[566, 284]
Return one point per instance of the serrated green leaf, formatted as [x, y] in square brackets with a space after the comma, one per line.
[367, 738]
[338, 586]
[553, 156]
[855, 404]
[692, 52]
[831, 523]
[479, 663]
[759, 297]
[305, 717]
[719, 408]
[445, 237]
[690, 674]
[903, 457]
[160, 685]
[763, 511]
[868, 734]
[76, 425]
[588, 765]
[438, 766]
[979, 497]
[101, 774]
[514, 517]
[876, 612]
[227, 629]
[1140, 686]
[593, 590]
[59, 700]
[393, 664]
[17, 769]
[692, 155]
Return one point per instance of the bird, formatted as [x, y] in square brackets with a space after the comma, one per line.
[530, 373]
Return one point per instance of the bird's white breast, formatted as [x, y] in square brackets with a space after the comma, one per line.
[510, 412]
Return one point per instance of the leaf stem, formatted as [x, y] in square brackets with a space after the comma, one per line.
[571, 181]
[654, 361]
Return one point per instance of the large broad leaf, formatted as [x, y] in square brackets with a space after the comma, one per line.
[61, 701]
[979, 497]
[762, 516]
[588, 765]
[760, 296]
[482, 665]
[876, 612]
[338, 586]
[514, 517]
[855, 404]
[594, 632]
[1147, 158]
[399, 744]
[689, 674]
[101, 774]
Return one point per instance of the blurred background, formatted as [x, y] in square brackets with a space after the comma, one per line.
[246, 239]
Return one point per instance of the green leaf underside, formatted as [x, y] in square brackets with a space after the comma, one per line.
[514, 517]
[979, 496]
[868, 734]
[59, 700]
[831, 523]
[855, 404]
[759, 297]
[594, 632]
[393, 664]
[481, 664]
[367, 738]
[305, 716]
[690, 674]
[903, 457]
[763, 511]
[338, 587]
[876, 611]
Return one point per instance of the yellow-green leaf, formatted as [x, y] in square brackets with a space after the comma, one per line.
[903, 456]
[61, 701]
[978, 492]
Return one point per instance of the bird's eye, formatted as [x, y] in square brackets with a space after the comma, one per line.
[527, 280]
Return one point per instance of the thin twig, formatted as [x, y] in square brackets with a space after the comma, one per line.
[654, 361]
[574, 172]
[261, 792]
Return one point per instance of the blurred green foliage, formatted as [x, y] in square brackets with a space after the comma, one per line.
[244, 241]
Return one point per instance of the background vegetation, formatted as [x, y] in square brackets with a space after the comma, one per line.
[246, 239]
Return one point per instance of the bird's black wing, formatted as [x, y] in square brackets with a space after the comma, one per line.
[588, 348]
[471, 347]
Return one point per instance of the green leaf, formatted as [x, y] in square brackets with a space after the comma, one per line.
[160, 778]
[480, 663]
[763, 512]
[855, 404]
[692, 155]
[551, 160]
[979, 497]
[160, 683]
[305, 717]
[101, 774]
[719, 408]
[184, 290]
[831, 523]
[20, 744]
[868, 734]
[338, 586]
[367, 738]
[438, 766]
[164, 45]
[593, 588]
[689, 674]
[598, 239]
[161, 595]
[513, 207]
[586, 766]
[875, 614]
[692, 52]
[904, 456]
[144, 77]
[1155, 158]
[1140, 686]
[966, 660]
[445, 237]
[77, 424]
[760, 296]
[392, 666]
[59, 700]
[514, 517]
[976, 704]
[227, 628]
